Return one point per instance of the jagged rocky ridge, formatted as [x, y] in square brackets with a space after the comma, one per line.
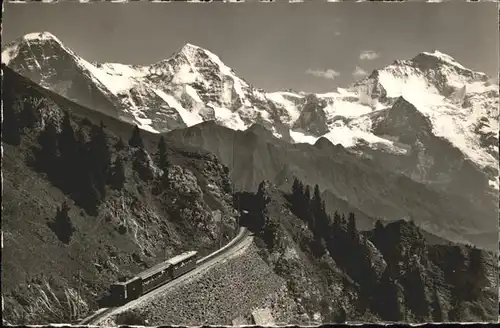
[72, 223]
[194, 85]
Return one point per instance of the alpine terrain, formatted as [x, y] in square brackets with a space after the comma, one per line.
[373, 202]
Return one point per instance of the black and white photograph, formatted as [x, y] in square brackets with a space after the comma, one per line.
[269, 164]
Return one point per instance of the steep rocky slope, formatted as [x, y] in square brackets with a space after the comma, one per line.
[211, 299]
[64, 243]
[390, 273]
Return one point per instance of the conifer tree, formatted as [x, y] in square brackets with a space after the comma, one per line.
[351, 226]
[82, 157]
[68, 152]
[67, 139]
[28, 115]
[48, 155]
[99, 157]
[81, 169]
[316, 196]
[118, 174]
[343, 223]
[477, 272]
[135, 139]
[336, 221]
[62, 226]
[301, 188]
[119, 145]
[296, 191]
[162, 154]
[11, 127]
[305, 207]
[87, 170]
[324, 218]
[295, 187]
[316, 202]
[307, 195]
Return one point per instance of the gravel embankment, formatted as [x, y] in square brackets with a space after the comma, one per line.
[231, 289]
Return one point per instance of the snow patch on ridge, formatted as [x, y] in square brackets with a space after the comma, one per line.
[185, 75]
[188, 117]
[300, 137]
[228, 118]
[193, 94]
[142, 122]
[113, 81]
[288, 105]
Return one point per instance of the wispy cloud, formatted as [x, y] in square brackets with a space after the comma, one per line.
[337, 33]
[368, 55]
[327, 74]
[359, 72]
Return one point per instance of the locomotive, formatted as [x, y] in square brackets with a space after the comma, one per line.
[144, 282]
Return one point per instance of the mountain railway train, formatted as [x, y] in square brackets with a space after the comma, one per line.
[146, 281]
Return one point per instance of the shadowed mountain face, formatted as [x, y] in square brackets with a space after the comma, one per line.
[71, 228]
[255, 155]
[426, 158]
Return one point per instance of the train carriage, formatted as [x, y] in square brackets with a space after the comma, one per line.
[123, 292]
[182, 263]
[153, 277]
[119, 292]
[134, 288]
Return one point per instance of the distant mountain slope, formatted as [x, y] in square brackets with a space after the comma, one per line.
[362, 184]
[194, 85]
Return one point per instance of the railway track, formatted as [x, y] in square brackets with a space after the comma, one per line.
[202, 264]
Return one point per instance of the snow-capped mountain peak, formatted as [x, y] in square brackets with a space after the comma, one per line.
[41, 36]
[11, 50]
[444, 59]
[195, 85]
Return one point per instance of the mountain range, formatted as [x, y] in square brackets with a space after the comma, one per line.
[359, 201]
[428, 118]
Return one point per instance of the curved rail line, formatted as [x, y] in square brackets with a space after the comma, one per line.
[102, 313]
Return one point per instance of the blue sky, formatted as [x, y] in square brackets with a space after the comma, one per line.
[313, 47]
